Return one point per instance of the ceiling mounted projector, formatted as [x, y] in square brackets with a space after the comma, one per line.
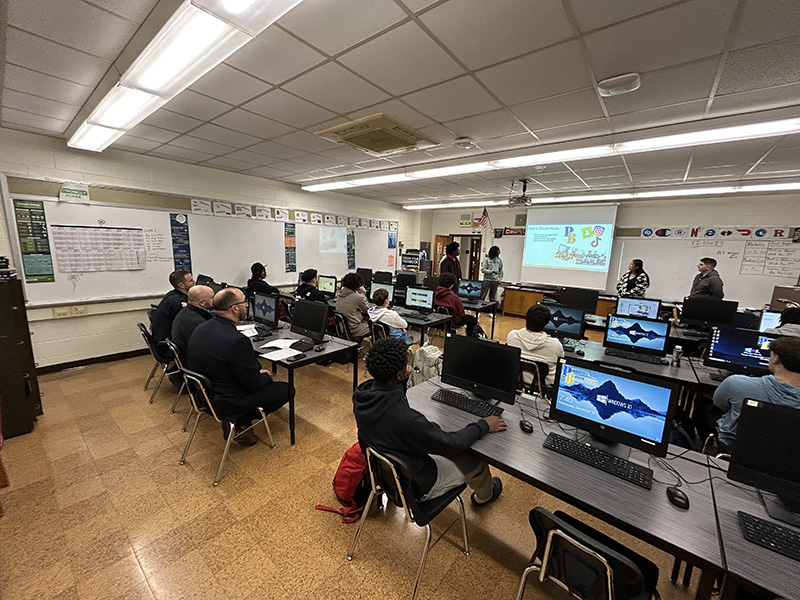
[522, 199]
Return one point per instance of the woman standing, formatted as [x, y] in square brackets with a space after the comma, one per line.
[492, 269]
[635, 282]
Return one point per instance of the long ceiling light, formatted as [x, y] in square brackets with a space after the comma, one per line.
[667, 142]
[195, 39]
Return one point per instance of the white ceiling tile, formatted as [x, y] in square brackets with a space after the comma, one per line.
[286, 108]
[645, 119]
[591, 14]
[42, 55]
[785, 155]
[523, 140]
[755, 100]
[229, 85]
[39, 106]
[254, 158]
[38, 122]
[227, 164]
[215, 133]
[601, 182]
[192, 143]
[676, 35]
[417, 5]
[761, 67]
[395, 109]
[185, 154]
[275, 56]
[499, 123]
[385, 60]
[302, 140]
[762, 22]
[344, 154]
[587, 129]
[448, 151]
[317, 160]
[598, 164]
[336, 88]
[276, 150]
[247, 122]
[334, 25]
[155, 134]
[455, 99]
[129, 142]
[547, 72]
[483, 33]
[173, 121]
[412, 158]
[676, 158]
[135, 11]
[44, 86]
[574, 107]
[290, 167]
[780, 169]
[195, 105]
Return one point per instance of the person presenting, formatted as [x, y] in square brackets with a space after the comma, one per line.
[170, 305]
[198, 310]
[444, 296]
[218, 351]
[535, 343]
[781, 386]
[492, 269]
[438, 459]
[790, 322]
[352, 303]
[308, 289]
[450, 262]
[257, 283]
[635, 282]
[707, 282]
[381, 313]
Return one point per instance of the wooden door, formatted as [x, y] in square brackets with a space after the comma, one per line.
[439, 242]
[474, 258]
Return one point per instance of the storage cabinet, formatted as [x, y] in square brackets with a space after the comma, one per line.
[517, 301]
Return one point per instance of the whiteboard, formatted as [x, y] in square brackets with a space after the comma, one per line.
[373, 252]
[323, 248]
[511, 248]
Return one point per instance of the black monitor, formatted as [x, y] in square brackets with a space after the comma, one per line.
[764, 455]
[216, 287]
[366, 276]
[265, 309]
[488, 369]
[739, 350]
[419, 299]
[565, 322]
[327, 284]
[430, 282]
[646, 336]
[705, 311]
[382, 277]
[581, 298]
[638, 307]
[769, 320]
[310, 319]
[383, 286]
[203, 280]
[469, 288]
[405, 280]
[615, 407]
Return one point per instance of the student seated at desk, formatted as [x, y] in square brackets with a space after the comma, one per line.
[535, 343]
[171, 304]
[308, 289]
[790, 322]
[352, 303]
[199, 310]
[256, 283]
[444, 296]
[381, 313]
[782, 386]
[438, 459]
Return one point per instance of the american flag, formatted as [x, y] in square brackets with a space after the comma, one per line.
[484, 218]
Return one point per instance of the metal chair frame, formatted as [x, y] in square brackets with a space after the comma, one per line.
[148, 340]
[534, 367]
[379, 330]
[176, 357]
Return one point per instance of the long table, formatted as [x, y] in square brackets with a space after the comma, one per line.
[479, 306]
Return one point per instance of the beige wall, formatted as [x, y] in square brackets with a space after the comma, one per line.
[110, 327]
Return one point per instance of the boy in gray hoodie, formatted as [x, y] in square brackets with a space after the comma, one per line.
[535, 343]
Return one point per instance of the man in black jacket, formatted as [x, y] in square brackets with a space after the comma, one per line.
[450, 262]
[437, 458]
[308, 289]
[707, 282]
[170, 305]
[201, 302]
[218, 351]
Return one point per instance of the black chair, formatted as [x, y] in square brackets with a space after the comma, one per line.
[161, 360]
[176, 356]
[201, 395]
[379, 330]
[538, 371]
[390, 475]
[382, 277]
[585, 562]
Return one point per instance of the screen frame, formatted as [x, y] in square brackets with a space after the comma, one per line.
[507, 396]
[708, 361]
[707, 323]
[400, 277]
[335, 282]
[627, 298]
[368, 281]
[613, 434]
[631, 347]
[316, 336]
[579, 291]
[565, 334]
[267, 322]
[761, 327]
[467, 295]
[389, 287]
[420, 308]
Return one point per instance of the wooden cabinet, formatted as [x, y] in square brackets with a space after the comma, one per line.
[517, 301]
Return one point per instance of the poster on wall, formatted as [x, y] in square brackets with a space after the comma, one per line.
[718, 232]
[385, 225]
[341, 221]
[88, 248]
[243, 211]
[393, 226]
[355, 222]
[366, 223]
[375, 224]
[33, 241]
[351, 249]
[281, 214]
[264, 212]
[392, 239]
[290, 246]
[316, 218]
[202, 207]
[74, 192]
[300, 216]
[181, 253]
[223, 209]
[330, 220]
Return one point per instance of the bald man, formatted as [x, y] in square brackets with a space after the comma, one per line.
[198, 310]
[218, 351]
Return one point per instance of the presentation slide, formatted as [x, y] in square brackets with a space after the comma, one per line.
[582, 246]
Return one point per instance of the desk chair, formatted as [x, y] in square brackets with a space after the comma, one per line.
[446, 327]
[539, 371]
[163, 361]
[179, 364]
[379, 330]
[201, 395]
[390, 475]
[588, 564]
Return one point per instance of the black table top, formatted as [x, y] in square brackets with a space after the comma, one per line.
[594, 351]
[332, 346]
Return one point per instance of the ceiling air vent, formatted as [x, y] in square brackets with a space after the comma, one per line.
[378, 135]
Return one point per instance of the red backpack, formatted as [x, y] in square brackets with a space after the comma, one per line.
[351, 485]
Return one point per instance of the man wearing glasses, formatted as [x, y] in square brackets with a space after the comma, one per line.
[218, 351]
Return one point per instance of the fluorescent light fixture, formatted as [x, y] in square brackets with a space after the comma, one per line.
[396, 178]
[327, 187]
[124, 107]
[448, 171]
[554, 157]
[771, 187]
[94, 137]
[251, 16]
[686, 192]
[454, 205]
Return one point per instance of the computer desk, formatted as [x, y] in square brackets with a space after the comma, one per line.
[479, 306]
[434, 320]
[647, 514]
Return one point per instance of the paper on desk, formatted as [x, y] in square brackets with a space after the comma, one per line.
[280, 354]
[281, 343]
[248, 330]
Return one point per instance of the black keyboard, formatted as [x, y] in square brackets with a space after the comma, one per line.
[302, 346]
[772, 536]
[263, 330]
[624, 469]
[466, 403]
[646, 358]
[568, 347]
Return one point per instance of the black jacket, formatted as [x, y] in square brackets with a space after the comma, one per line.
[260, 286]
[306, 291]
[169, 307]
[184, 325]
[449, 265]
[709, 284]
[386, 422]
[218, 351]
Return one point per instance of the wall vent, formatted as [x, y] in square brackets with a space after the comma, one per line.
[378, 135]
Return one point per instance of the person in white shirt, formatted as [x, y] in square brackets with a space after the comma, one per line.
[381, 313]
[535, 343]
[790, 322]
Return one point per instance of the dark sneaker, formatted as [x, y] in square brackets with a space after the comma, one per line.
[497, 489]
[245, 438]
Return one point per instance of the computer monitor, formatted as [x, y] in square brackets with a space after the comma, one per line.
[739, 350]
[382, 277]
[615, 407]
[764, 455]
[581, 298]
[310, 319]
[203, 280]
[216, 287]
[327, 284]
[705, 311]
[468, 288]
[647, 336]
[366, 276]
[430, 282]
[769, 320]
[638, 307]
[405, 280]
[265, 309]
[383, 286]
[419, 299]
[565, 322]
[488, 369]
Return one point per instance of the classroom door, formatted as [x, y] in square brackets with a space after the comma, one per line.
[474, 258]
[439, 242]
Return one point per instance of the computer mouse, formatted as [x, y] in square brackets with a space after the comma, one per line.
[526, 426]
[319, 348]
[678, 497]
[580, 353]
[664, 361]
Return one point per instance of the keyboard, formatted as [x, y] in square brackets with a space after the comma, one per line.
[466, 403]
[693, 333]
[619, 467]
[302, 346]
[568, 347]
[264, 330]
[772, 536]
[646, 358]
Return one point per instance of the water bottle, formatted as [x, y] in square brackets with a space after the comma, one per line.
[677, 352]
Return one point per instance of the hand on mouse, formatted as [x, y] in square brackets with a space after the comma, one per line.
[495, 424]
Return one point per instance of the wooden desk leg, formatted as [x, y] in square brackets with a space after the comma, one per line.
[707, 578]
[355, 368]
[291, 405]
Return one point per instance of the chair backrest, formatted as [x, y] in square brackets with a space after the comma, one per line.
[538, 370]
[151, 312]
[148, 340]
[175, 352]
[379, 330]
[342, 329]
[382, 277]
[389, 474]
[200, 392]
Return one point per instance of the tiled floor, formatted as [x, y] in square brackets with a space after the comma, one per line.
[99, 506]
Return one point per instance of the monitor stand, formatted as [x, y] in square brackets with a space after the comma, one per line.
[779, 509]
[614, 448]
